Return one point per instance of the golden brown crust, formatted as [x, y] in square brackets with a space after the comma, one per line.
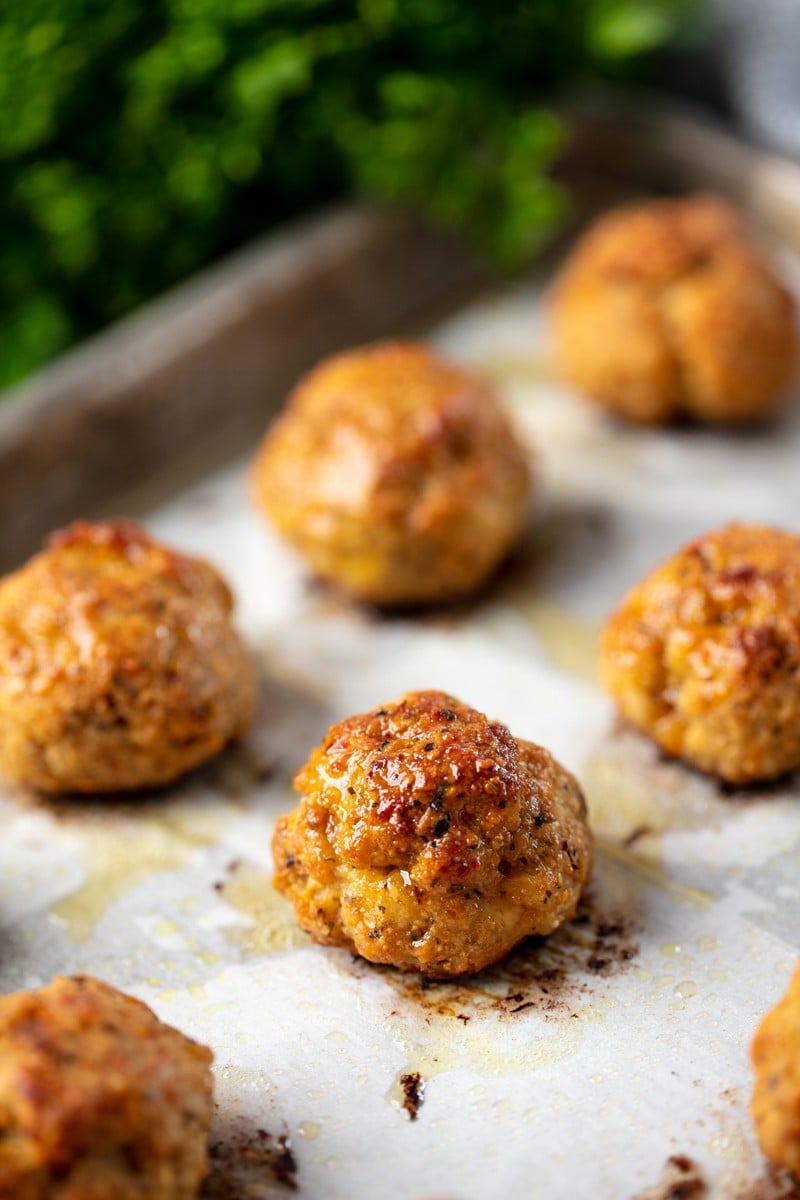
[396, 474]
[776, 1095]
[98, 1098]
[665, 309]
[119, 666]
[704, 654]
[429, 838]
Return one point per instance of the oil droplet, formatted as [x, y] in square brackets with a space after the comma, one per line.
[670, 948]
[686, 989]
[721, 1145]
[196, 991]
[502, 1106]
[663, 981]
[336, 1036]
[707, 942]
[309, 1131]
[222, 1006]
[167, 929]
[333, 1164]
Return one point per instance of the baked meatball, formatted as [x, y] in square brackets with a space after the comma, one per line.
[704, 654]
[396, 474]
[119, 667]
[666, 310]
[776, 1095]
[99, 1100]
[429, 838]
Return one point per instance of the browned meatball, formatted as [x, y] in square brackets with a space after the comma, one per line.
[704, 654]
[396, 474]
[776, 1096]
[428, 837]
[665, 309]
[119, 667]
[99, 1100]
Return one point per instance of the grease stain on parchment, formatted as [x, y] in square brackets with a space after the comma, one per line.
[526, 1013]
[479, 1048]
[272, 927]
[531, 582]
[569, 642]
[634, 792]
[121, 850]
[508, 367]
[697, 898]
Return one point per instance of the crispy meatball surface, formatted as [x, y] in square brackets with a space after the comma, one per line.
[396, 474]
[429, 838]
[776, 1095]
[665, 309]
[704, 654]
[99, 1100]
[119, 667]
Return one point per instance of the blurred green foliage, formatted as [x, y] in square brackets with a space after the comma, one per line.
[141, 140]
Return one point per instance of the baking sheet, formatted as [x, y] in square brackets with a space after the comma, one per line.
[583, 1065]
